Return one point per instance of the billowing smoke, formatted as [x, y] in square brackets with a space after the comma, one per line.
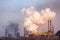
[34, 18]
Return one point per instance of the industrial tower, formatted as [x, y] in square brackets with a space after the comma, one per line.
[50, 26]
[6, 32]
[16, 31]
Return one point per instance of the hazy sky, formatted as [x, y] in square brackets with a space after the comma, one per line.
[10, 11]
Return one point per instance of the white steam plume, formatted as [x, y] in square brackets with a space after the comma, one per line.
[34, 18]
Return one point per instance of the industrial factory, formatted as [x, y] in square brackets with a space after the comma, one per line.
[32, 21]
[29, 19]
[35, 18]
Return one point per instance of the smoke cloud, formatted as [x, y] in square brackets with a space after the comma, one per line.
[34, 18]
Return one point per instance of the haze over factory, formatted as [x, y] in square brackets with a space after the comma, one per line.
[26, 13]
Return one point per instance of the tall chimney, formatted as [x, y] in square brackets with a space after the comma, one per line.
[16, 31]
[6, 32]
[50, 26]
[24, 31]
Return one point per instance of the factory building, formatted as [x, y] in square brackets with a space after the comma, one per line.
[12, 30]
[49, 32]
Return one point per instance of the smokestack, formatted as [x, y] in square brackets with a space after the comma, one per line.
[16, 31]
[6, 32]
[16, 28]
[50, 26]
[25, 31]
